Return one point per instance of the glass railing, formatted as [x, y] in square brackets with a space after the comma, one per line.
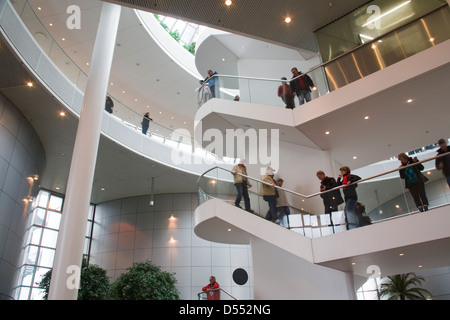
[215, 294]
[372, 56]
[379, 198]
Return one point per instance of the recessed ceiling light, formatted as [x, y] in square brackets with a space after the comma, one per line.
[366, 118]
[29, 84]
[228, 2]
[355, 157]
[50, 24]
[401, 254]
[409, 100]
[288, 19]
[63, 39]
[229, 230]
[62, 113]
[327, 133]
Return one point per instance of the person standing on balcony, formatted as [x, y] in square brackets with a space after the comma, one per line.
[332, 199]
[212, 289]
[301, 86]
[242, 184]
[414, 181]
[203, 93]
[443, 163]
[283, 207]
[146, 122]
[284, 92]
[351, 197]
[213, 82]
[267, 191]
[109, 104]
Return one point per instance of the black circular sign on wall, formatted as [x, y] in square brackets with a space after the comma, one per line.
[240, 276]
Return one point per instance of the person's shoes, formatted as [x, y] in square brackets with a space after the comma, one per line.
[425, 208]
[250, 210]
[420, 209]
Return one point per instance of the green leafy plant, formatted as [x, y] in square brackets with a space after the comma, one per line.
[404, 287]
[145, 281]
[94, 283]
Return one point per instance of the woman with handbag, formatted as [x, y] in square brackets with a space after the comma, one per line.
[414, 180]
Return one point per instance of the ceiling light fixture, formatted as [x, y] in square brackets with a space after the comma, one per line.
[62, 113]
[409, 100]
[288, 19]
[228, 2]
[29, 84]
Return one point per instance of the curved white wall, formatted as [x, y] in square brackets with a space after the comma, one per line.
[21, 156]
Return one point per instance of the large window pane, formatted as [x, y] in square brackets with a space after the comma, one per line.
[55, 203]
[46, 257]
[49, 238]
[53, 220]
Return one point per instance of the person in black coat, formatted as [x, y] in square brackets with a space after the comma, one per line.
[350, 196]
[443, 163]
[414, 180]
[301, 86]
[331, 199]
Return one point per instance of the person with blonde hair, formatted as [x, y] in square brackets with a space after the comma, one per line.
[414, 180]
[267, 191]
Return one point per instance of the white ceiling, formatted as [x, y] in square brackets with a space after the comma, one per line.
[259, 19]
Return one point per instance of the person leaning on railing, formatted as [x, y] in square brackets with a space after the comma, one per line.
[212, 289]
[414, 180]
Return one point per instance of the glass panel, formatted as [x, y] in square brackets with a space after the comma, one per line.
[53, 220]
[46, 257]
[42, 200]
[39, 216]
[31, 254]
[55, 203]
[369, 22]
[49, 238]
[35, 235]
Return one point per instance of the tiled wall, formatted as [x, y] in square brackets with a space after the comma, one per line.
[21, 155]
[130, 230]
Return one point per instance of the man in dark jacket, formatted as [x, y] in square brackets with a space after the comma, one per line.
[301, 86]
[351, 197]
[331, 199]
[443, 163]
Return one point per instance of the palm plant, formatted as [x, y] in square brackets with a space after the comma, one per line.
[404, 287]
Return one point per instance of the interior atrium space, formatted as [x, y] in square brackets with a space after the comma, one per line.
[248, 150]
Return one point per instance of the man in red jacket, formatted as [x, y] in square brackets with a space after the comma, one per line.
[212, 289]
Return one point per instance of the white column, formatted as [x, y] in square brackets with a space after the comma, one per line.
[69, 251]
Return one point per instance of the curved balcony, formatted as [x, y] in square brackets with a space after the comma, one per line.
[370, 87]
[308, 233]
[64, 81]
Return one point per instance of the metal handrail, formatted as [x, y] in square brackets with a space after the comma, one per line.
[218, 289]
[330, 190]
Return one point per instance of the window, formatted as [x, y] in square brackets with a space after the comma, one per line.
[41, 241]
